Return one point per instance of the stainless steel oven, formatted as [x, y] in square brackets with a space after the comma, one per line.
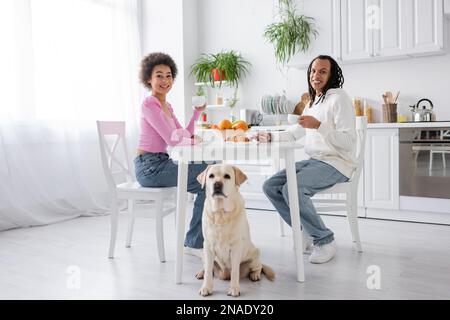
[424, 166]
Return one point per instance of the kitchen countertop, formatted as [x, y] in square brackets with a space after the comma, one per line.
[433, 124]
[383, 125]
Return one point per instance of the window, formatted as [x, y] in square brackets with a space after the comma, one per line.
[68, 59]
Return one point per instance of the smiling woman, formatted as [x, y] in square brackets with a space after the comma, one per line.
[63, 65]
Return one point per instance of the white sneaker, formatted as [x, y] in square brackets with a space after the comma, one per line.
[194, 252]
[323, 253]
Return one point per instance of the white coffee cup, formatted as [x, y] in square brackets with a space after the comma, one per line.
[293, 118]
[198, 101]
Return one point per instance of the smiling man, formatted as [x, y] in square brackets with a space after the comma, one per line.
[328, 124]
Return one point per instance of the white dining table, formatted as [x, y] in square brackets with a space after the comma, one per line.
[236, 151]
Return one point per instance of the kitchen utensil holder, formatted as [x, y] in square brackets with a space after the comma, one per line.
[390, 112]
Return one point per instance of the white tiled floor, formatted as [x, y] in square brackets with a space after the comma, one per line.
[414, 260]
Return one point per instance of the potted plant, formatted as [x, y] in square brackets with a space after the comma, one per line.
[202, 68]
[232, 66]
[228, 65]
[291, 34]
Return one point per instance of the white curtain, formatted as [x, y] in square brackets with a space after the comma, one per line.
[63, 65]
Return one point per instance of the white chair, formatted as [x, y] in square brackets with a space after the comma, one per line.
[149, 200]
[443, 150]
[349, 188]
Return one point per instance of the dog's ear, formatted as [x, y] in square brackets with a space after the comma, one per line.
[239, 176]
[201, 178]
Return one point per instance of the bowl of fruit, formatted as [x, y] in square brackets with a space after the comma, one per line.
[231, 131]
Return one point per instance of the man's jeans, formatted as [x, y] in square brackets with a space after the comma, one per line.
[312, 177]
[158, 170]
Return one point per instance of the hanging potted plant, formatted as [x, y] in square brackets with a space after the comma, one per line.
[291, 34]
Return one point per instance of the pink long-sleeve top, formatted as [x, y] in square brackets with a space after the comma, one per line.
[159, 131]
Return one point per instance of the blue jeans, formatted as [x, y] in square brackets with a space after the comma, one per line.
[158, 170]
[312, 177]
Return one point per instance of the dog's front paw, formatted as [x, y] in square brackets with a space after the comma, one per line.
[255, 275]
[205, 291]
[199, 275]
[234, 292]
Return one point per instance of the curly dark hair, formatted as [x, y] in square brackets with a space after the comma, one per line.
[336, 78]
[152, 60]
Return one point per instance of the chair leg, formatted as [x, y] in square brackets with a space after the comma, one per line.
[431, 160]
[281, 224]
[114, 226]
[352, 216]
[443, 160]
[160, 229]
[131, 222]
[416, 154]
[175, 212]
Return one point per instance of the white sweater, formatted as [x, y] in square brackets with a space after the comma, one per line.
[334, 142]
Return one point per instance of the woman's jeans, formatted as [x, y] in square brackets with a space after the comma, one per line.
[158, 170]
[312, 177]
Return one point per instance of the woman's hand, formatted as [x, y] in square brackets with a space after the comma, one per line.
[200, 108]
[309, 122]
[197, 139]
[262, 136]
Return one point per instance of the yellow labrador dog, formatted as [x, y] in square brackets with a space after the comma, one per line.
[228, 250]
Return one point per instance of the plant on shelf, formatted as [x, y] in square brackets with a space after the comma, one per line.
[228, 65]
[202, 68]
[291, 34]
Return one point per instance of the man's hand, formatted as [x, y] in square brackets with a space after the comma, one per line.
[309, 122]
[262, 136]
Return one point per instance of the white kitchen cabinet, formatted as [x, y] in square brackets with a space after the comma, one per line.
[425, 26]
[356, 38]
[373, 29]
[389, 27]
[379, 29]
[381, 186]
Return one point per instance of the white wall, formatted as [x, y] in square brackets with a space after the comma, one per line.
[239, 25]
[170, 26]
[187, 28]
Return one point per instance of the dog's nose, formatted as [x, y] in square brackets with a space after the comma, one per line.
[218, 185]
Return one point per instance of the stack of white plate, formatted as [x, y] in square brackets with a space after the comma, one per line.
[276, 104]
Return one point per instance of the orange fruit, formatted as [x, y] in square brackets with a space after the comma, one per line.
[225, 124]
[215, 126]
[241, 126]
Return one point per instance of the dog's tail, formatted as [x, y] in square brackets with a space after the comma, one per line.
[268, 271]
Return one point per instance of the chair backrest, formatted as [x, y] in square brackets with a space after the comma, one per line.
[361, 133]
[115, 154]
